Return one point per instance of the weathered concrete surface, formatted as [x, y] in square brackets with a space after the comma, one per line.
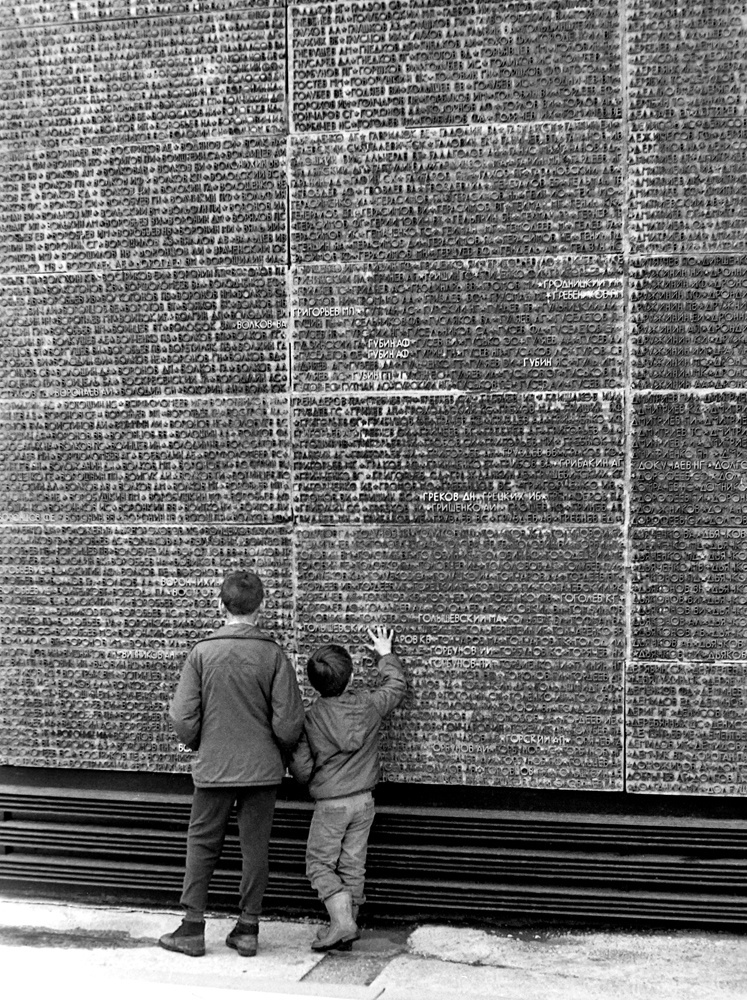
[85, 953]
[61, 952]
[572, 966]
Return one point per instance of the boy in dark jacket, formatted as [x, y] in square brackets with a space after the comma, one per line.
[238, 704]
[339, 758]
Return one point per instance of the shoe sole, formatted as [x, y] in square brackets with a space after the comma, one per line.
[343, 944]
[195, 953]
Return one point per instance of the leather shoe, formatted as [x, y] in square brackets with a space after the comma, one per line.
[244, 939]
[188, 938]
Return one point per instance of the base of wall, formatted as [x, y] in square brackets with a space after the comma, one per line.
[436, 852]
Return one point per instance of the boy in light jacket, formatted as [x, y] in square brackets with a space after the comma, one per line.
[338, 757]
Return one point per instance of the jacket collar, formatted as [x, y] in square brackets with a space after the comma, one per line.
[244, 631]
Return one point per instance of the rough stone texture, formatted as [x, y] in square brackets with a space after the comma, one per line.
[146, 460]
[687, 322]
[499, 324]
[99, 617]
[216, 69]
[455, 268]
[498, 665]
[427, 194]
[188, 331]
[432, 63]
[472, 458]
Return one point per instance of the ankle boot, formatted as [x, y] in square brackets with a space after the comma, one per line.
[244, 939]
[188, 938]
[342, 927]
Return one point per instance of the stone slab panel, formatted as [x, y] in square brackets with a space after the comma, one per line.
[196, 203]
[517, 324]
[154, 79]
[468, 459]
[688, 187]
[191, 331]
[690, 594]
[132, 460]
[451, 193]
[24, 12]
[98, 617]
[689, 464]
[143, 589]
[686, 728]
[383, 65]
[64, 709]
[686, 60]
[512, 640]
[688, 319]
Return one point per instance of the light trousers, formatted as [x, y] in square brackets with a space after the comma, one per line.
[337, 845]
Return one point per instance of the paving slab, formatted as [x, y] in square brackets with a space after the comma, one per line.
[573, 966]
[59, 950]
[368, 957]
[73, 952]
[77, 981]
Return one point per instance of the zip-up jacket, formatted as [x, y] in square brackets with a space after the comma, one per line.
[339, 750]
[238, 704]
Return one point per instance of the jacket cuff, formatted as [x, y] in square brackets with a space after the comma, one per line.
[390, 660]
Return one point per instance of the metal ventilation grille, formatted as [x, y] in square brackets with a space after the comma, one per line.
[424, 863]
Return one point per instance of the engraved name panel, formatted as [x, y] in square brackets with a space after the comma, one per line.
[457, 192]
[689, 594]
[553, 458]
[688, 188]
[154, 79]
[146, 460]
[23, 12]
[376, 65]
[194, 203]
[514, 324]
[512, 640]
[689, 321]
[192, 331]
[686, 728]
[98, 620]
[134, 587]
[686, 60]
[689, 460]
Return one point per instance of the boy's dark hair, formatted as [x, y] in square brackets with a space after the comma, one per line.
[329, 669]
[242, 592]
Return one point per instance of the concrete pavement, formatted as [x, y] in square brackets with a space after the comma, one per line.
[59, 951]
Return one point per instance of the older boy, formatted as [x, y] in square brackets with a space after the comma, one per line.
[338, 756]
[238, 703]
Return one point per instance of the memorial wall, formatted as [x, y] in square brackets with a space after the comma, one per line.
[433, 313]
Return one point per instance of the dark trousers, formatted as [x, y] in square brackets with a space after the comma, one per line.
[211, 808]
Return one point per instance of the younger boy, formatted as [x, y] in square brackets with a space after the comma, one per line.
[339, 758]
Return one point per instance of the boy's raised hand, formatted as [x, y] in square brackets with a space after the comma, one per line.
[381, 640]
